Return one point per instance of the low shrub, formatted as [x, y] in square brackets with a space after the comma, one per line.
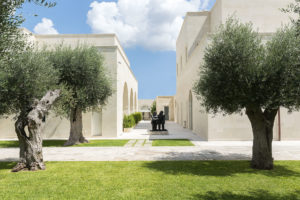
[137, 117]
[128, 121]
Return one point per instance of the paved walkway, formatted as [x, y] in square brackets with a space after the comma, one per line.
[139, 143]
[206, 151]
[140, 148]
[175, 132]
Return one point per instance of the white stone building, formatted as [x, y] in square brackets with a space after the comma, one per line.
[191, 43]
[108, 122]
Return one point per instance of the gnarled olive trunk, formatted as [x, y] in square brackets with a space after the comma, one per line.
[31, 154]
[76, 136]
[262, 126]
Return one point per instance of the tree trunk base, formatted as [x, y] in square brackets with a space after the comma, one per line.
[262, 126]
[265, 166]
[23, 167]
[76, 136]
[81, 140]
[19, 167]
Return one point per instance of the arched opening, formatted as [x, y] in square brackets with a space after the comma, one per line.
[191, 110]
[125, 100]
[131, 101]
[135, 103]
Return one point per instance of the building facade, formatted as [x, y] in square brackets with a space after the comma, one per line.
[106, 121]
[194, 37]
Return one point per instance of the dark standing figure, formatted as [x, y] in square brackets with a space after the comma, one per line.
[161, 121]
[154, 121]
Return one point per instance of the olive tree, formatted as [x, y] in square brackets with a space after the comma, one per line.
[25, 82]
[27, 85]
[240, 74]
[82, 72]
[294, 8]
[11, 37]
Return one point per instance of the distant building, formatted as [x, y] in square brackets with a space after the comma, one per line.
[108, 122]
[165, 104]
[145, 108]
[194, 37]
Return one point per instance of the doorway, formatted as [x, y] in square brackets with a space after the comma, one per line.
[97, 123]
[166, 111]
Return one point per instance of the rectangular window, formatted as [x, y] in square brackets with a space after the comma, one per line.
[186, 54]
[181, 63]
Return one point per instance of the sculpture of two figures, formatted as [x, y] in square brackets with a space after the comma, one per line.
[158, 121]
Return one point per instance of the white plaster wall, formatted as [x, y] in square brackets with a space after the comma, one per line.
[230, 127]
[216, 15]
[109, 111]
[290, 126]
[265, 15]
[187, 74]
[145, 103]
[7, 126]
[124, 75]
[75, 39]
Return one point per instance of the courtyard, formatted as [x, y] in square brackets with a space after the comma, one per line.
[150, 99]
[138, 147]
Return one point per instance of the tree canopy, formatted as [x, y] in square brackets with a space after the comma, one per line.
[240, 71]
[28, 77]
[12, 39]
[81, 71]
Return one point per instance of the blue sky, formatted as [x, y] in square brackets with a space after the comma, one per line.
[147, 30]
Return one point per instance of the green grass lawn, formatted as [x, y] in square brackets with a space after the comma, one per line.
[60, 143]
[179, 142]
[201, 180]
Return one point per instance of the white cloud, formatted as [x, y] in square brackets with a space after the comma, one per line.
[45, 27]
[153, 24]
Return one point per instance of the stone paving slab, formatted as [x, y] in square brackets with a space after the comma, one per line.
[139, 143]
[130, 143]
[148, 143]
[152, 153]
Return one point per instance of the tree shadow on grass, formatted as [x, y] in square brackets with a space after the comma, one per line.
[46, 143]
[7, 165]
[217, 168]
[254, 195]
[9, 144]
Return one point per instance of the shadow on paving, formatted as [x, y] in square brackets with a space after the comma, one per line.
[143, 125]
[254, 195]
[217, 168]
[205, 155]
